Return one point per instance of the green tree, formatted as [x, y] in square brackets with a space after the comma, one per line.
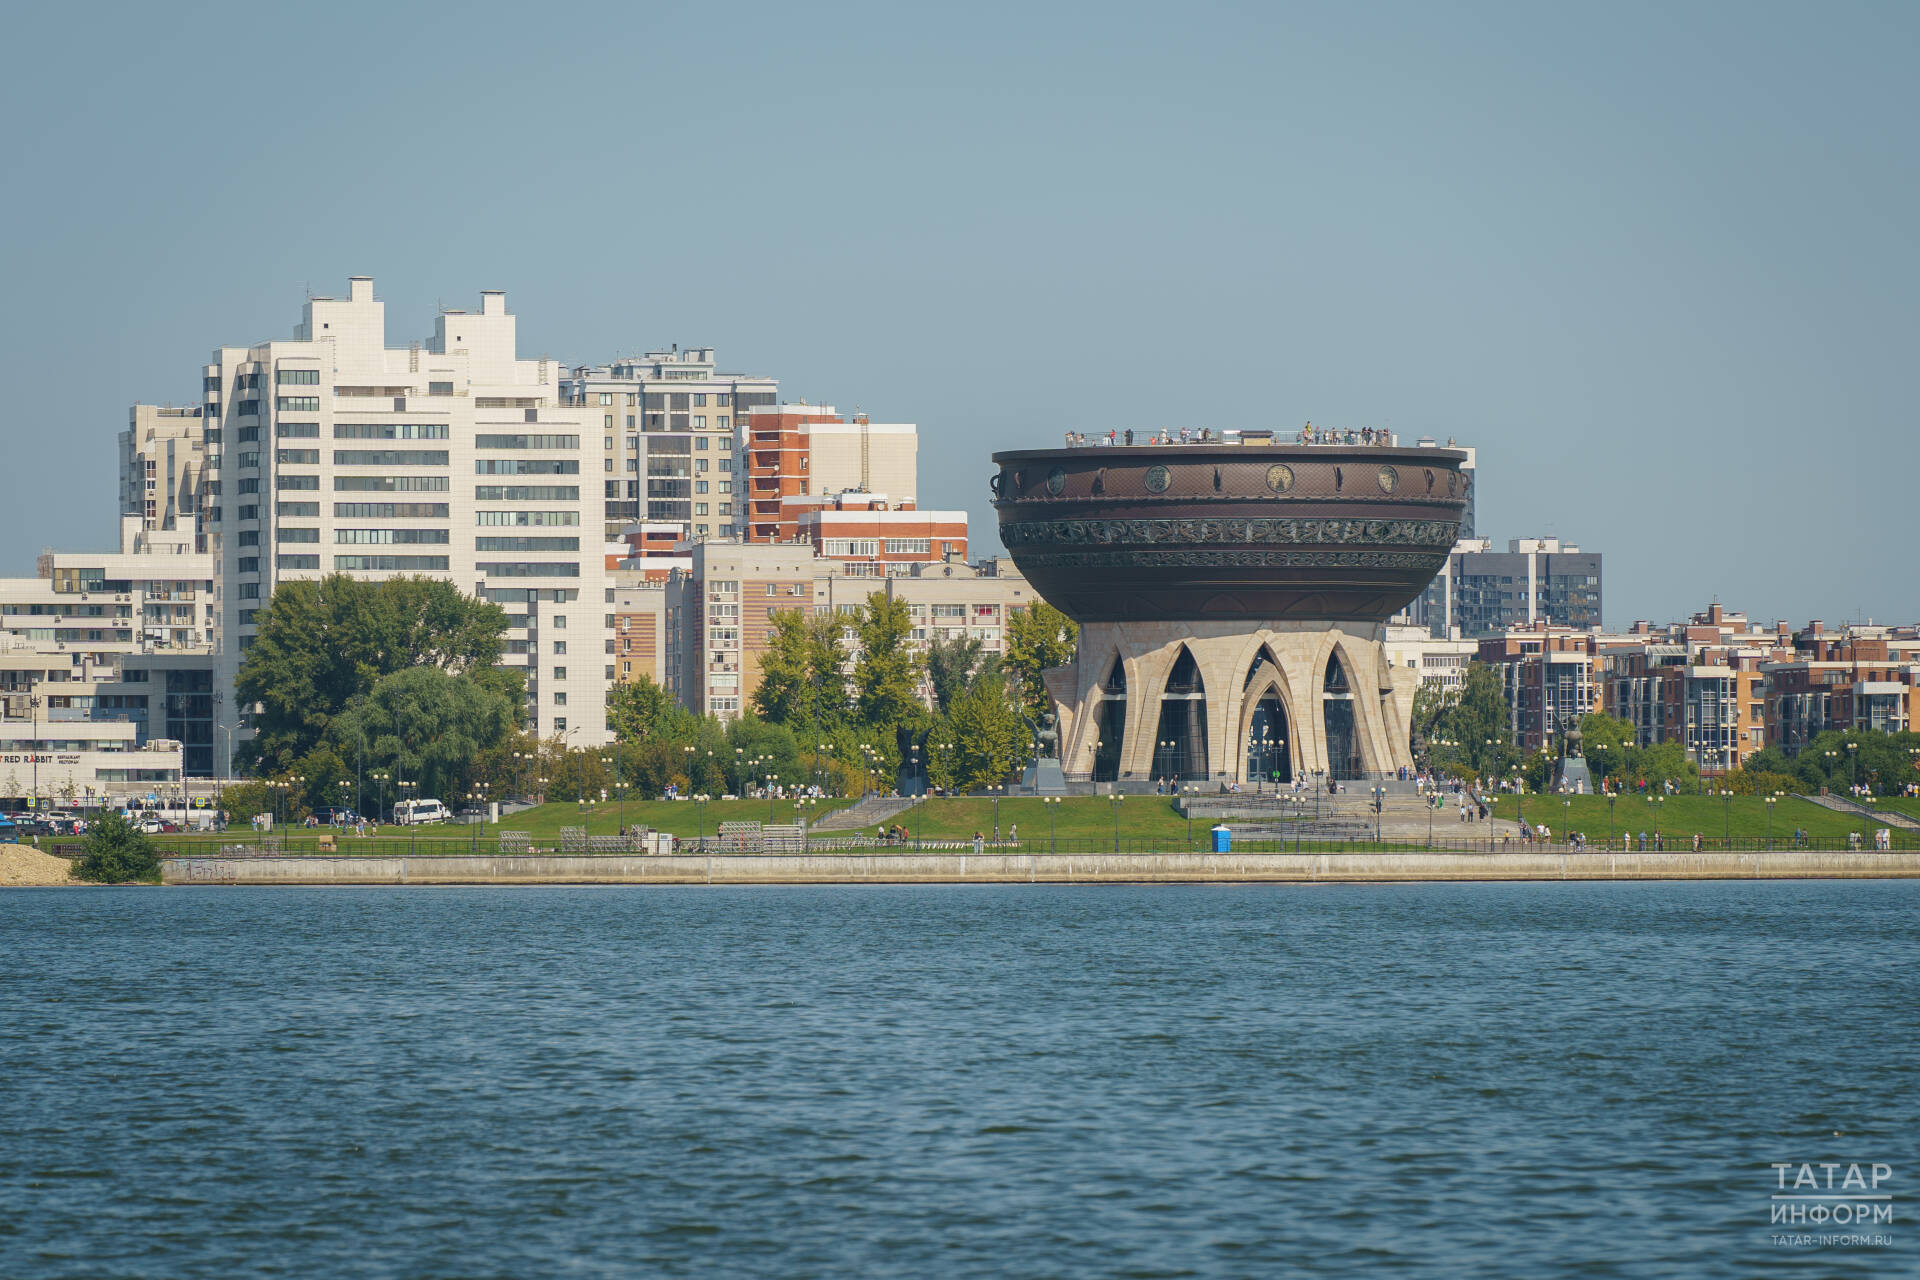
[886, 675]
[1663, 762]
[786, 694]
[990, 740]
[321, 643]
[117, 852]
[1038, 637]
[1476, 721]
[954, 664]
[639, 709]
[772, 745]
[426, 725]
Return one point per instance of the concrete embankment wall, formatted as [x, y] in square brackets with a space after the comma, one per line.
[929, 867]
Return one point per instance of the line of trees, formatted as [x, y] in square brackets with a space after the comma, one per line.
[362, 685]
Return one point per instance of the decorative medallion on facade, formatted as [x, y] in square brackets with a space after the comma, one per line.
[1389, 479]
[1057, 481]
[1158, 479]
[1279, 477]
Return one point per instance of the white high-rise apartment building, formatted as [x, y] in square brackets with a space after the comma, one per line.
[451, 458]
[669, 431]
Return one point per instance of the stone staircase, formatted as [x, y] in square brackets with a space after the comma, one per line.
[870, 812]
[1841, 804]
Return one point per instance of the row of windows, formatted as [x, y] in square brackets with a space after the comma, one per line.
[297, 562]
[526, 442]
[527, 467]
[523, 569]
[526, 544]
[299, 510]
[391, 484]
[299, 535]
[390, 510]
[527, 492]
[298, 377]
[526, 517]
[390, 562]
[286, 431]
[294, 404]
[390, 431]
[384, 536]
[298, 457]
[389, 457]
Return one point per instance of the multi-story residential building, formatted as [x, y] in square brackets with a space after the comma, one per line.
[1482, 592]
[1862, 678]
[1547, 673]
[667, 424]
[1442, 663]
[1698, 683]
[453, 458]
[106, 668]
[639, 629]
[163, 464]
[873, 538]
[799, 457]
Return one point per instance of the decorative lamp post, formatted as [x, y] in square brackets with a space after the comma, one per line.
[1113, 803]
[1053, 812]
[1770, 801]
[996, 790]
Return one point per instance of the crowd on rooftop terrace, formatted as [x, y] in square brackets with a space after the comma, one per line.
[1308, 434]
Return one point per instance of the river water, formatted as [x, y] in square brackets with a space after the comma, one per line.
[1502, 1080]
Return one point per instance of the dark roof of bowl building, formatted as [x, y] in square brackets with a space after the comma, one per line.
[1250, 531]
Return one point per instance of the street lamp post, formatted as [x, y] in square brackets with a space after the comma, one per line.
[996, 790]
[1113, 802]
[1053, 810]
[1770, 802]
[1853, 769]
[1379, 804]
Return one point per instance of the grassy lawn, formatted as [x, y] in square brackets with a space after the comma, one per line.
[1086, 823]
[1743, 816]
[1908, 805]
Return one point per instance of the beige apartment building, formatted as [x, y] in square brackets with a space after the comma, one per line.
[451, 457]
[163, 470]
[668, 424]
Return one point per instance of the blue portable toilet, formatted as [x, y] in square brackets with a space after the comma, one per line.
[1222, 838]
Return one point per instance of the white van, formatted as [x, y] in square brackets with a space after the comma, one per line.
[408, 813]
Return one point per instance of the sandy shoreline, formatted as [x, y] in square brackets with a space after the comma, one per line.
[23, 866]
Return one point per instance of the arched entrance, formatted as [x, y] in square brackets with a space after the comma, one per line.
[1343, 738]
[1180, 749]
[1112, 724]
[1268, 757]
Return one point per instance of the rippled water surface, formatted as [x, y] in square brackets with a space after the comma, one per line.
[1512, 1080]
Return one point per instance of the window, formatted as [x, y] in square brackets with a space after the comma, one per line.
[699, 486]
[297, 404]
[439, 388]
[247, 538]
[700, 464]
[248, 591]
[700, 442]
[560, 622]
[559, 724]
[298, 377]
[389, 457]
[909, 546]
[247, 564]
[248, 460]
[606, 397]
[299, 535]
[560, 698]
[850, 546]
[299, 510]
[726, 486]
[559, 648]
[251, 511]
[723, 422]
[300, 457]
[726, 508]
[559, 673]
[699, 422]
[283, 482]
[699, 400]
[297, 562]
[606, 420]
[290, 430]
[529, 442]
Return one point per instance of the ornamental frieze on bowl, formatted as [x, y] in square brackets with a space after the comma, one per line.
[1252, 533]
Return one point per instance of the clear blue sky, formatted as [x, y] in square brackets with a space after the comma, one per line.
[1658, 262]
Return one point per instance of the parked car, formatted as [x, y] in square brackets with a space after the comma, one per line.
[410, 813]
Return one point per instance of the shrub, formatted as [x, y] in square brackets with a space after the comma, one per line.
[117, 852]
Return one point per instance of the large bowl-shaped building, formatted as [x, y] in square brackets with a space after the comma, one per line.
[1231, 599]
